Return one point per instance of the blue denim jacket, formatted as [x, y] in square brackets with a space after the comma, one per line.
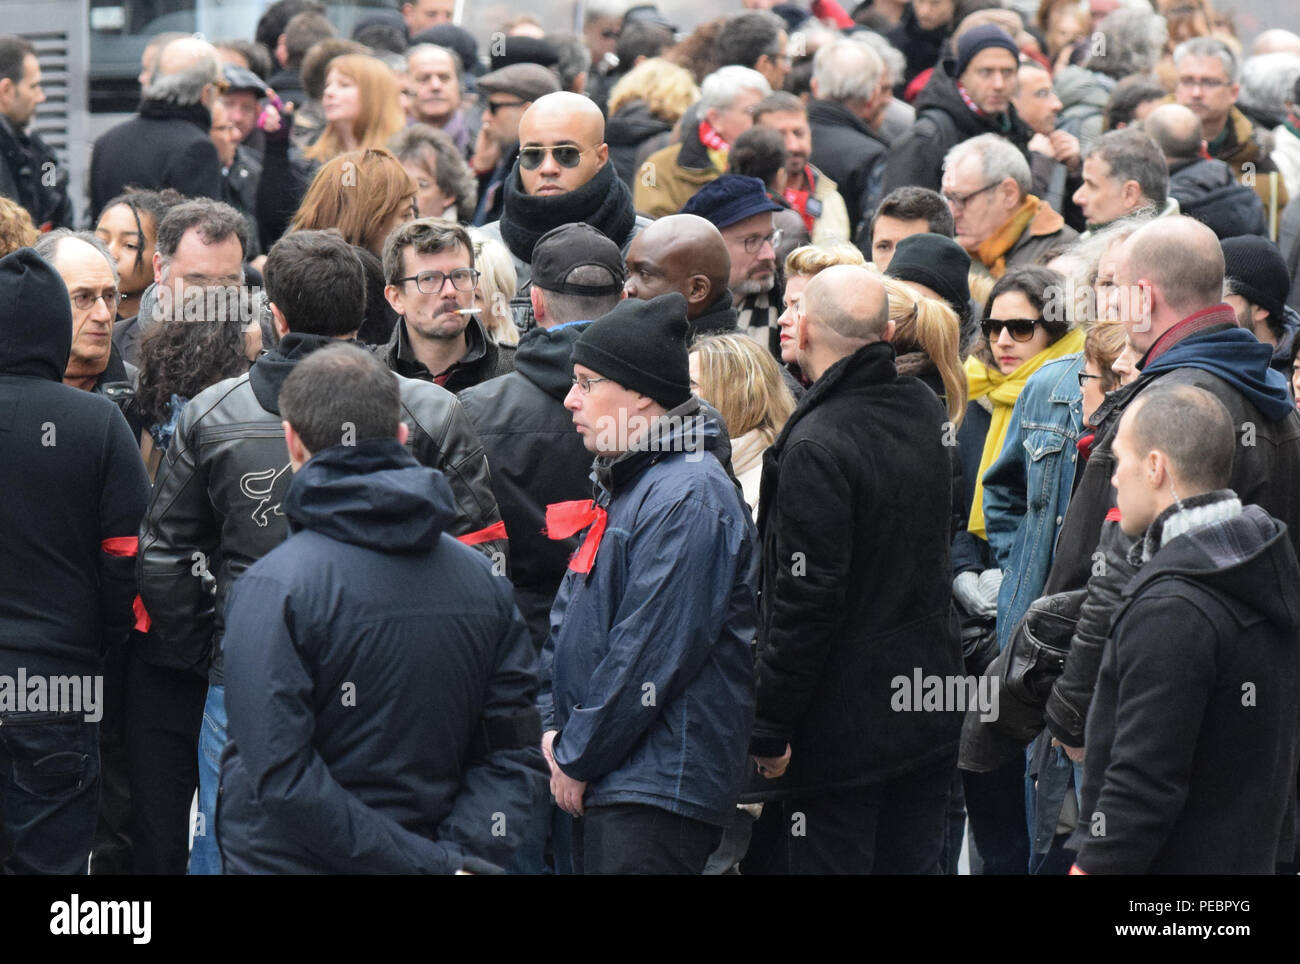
[1028, 486]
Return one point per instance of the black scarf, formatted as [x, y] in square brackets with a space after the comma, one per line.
[604, 202]
[196, 114]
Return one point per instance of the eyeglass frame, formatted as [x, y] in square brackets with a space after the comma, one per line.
[446, 276]
[117, 297]
[550, 149]
[1083, 377]
[1005, 323]
[1204, 83]
[961, 200]
[584, 383]
[776, 237]
[493, 106]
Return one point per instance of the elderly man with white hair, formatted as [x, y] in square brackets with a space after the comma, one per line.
[670, 176]
[167, 143]
[986, 182]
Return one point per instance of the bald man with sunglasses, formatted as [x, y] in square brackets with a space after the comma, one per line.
[563, 176]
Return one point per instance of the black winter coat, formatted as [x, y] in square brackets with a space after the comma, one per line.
[852, 155]
[917, 157]
[217, 501]
[856, 586]
[1209, 192]
[358, 698]
[626, 132]
[73, 483]
[922, 48]
[26, 163]
[162, 146]
[1192, 736]
[537, 458]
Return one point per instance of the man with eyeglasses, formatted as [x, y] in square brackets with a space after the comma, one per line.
[1208, 75]
[563, 176]
[738, 206]
[986, 182]
[430, 280]
[506, 94]
[964, 98]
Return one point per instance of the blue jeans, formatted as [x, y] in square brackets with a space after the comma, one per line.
[49, 792]
[205, 858]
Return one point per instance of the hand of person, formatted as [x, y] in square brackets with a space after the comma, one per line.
[773, 767]
[568, 792]
[1075, 753]
[487, 152]
[548, 749]
[1065, 148]
[990, 585]
[978, 592]
[1040, 144]
[276, 119]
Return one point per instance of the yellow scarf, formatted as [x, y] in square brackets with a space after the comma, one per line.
[1003, 390]
[992, 251]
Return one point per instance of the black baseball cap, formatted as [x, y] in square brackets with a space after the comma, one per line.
[559, 251]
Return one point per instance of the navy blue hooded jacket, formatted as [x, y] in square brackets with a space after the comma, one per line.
[380, 685]
[648, 673]
[1240, 359]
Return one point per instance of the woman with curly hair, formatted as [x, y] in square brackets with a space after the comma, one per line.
[178, 359]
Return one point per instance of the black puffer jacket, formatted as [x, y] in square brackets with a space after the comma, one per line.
[626, 132]
[1208, 191]
[852, 155]
[942, 122]
[1192, 737]
[216, 502]
[537, 459]
[851, 499]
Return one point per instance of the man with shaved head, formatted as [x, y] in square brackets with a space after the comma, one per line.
[850, 499]
[1203, 186]
[167, 143]
[562, 176]
[1169, 276]
[685, 253]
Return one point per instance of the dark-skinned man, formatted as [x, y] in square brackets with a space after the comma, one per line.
[685, 253]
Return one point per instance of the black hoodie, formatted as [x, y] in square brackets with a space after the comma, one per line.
[1192, 734]
[1208, 191]
[72, 480]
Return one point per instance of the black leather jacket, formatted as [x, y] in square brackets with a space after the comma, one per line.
[215, 508]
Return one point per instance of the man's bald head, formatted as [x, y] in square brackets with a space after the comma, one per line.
[186, 73]
[680, 252]
[1276, 41]
[849, 301]
[562, 119]
[1182, 260]
[1177, 131]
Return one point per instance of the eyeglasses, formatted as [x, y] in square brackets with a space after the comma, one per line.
[431, 282]
[566, 155]
[754, 243]
[959, 200]
[495, 105]
[1022, 329]
[1205, 83]
[584, 383]
[1083, 379]
[86, 299]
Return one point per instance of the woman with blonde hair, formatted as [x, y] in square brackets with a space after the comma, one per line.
[926, 338]
[363, 195]
[643, 108]
[361, 107]
[741, 379]
[497, 284]
[801, 266]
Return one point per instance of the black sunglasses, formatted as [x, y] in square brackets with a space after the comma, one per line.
[1022, 329]
[566, 155]
[495, 105]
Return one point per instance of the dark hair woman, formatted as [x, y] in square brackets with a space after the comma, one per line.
[129, 226]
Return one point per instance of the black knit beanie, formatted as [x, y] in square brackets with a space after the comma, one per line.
[642, 346]
[1258, 272]
[937, 262]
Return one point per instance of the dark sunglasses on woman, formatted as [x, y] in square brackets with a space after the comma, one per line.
[1022, 329]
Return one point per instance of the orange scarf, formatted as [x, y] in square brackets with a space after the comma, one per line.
[992, 252]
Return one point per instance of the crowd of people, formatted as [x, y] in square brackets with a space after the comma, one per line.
[821, 441]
